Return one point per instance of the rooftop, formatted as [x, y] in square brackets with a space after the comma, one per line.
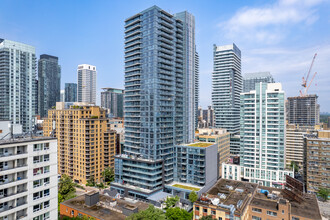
[185, 186]
[25, 138]
[235, 195]
[257, 75]
[107, 209]
[200, 144]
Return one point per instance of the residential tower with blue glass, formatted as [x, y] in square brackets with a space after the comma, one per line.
[159, 100]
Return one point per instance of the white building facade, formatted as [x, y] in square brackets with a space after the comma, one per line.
[262, 135]
[28, 179]
[87, 83]
[18, 83]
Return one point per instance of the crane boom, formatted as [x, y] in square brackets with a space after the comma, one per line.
[304, 84]
[310, 83]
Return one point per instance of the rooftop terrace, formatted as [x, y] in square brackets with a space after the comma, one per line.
[200, 144]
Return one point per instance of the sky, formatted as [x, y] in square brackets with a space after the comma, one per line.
[279, 36]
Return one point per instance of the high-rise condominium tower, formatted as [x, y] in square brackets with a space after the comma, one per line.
[196, 88]
[303, 110]
[18, 100]
[113, 100]
[263, 134]
[49, 83]
[70, 92]
[227, 86]
[159, 98]
[86, 83]
[250, 80]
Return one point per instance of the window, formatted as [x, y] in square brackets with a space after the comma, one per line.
[282, 211]
[205, 210]
[256, 210]
[46, 204]
[212, 212]
[46, 216]
[196, 216]
[197, 208]
[256, 218]
[295, 218]
[46, 192]
[37, 207]
[271, 213]
[72, 212]
[46, 181]
[220, 218]
[46, 157]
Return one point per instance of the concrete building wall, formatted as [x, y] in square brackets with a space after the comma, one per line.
[28, 178]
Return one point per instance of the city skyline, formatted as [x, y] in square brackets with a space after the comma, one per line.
[283, 46]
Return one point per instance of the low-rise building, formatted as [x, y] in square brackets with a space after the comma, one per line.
[219, 136]
[229, 199]
[100, 207]
[196, 168]
[276, 178]
[317, 161]
[28, 178]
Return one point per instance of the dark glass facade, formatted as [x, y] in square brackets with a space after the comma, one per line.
[49, 83]
[70, 94]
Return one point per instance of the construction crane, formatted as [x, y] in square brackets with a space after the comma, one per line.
[305, 80]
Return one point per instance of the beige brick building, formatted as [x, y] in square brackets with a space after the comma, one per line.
[219, 136]
[317, 161]
[86, 145]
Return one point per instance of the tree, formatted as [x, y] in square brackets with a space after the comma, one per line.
[66, 186]
[178, 214]
[66, 189]
[208, 217]
[91, 181]
[171, 202]
[151, 213]
[193, 196]
[294, 166]
[108, 175]
[324, 193]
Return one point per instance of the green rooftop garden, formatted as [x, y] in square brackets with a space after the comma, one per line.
[200, 144]
[186, 187]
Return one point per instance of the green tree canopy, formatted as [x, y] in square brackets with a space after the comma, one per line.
[151, 213]
[324, 193]
[294, 166]
[208, 217]
[178, 214]
[108, 175]
[91, 181]
[171, 201]
[193, 196]
[66, 186]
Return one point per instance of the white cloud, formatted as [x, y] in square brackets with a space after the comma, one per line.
[266, 24]
[289, 65]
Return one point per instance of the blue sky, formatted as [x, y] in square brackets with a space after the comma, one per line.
[276, 36]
